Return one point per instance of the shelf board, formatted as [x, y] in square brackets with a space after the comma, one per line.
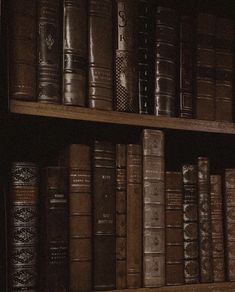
[113, 117]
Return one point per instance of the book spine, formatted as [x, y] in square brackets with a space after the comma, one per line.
[49, 51]
[121, 205]
[100, 43]
[75, 52]
[174, 229]
[104, 239]
[190, 224]
[22, 50]
[153, 209]
[23, 219]
[134, 216]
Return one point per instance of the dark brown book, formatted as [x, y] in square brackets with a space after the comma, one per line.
[54, 230]
[134, 216]
[174, 229]
[190, 224]
[75, 52]
[49, 64]
[217, 229]
[104, 239]
[121, 206]
[204, 220]
[23, 233]
[166, 38]
[153, 209]
[22, 50]
[100, 51]
[205, 67]
[126, 65]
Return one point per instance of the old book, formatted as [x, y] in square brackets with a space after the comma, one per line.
[217, 229]
[100, 54]
[54, 230]
[224, 46]
[75, 52]
[23, 233]
[153, 209]
[174, 228]
[166, 38]
[190, 224]
[204, 220]
[134, 216]
[205, 66]
[104, 239]
[22, 50]
[126, 69]
[121, 205]
[49, 64]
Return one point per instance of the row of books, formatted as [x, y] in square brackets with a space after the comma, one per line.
[147, 59]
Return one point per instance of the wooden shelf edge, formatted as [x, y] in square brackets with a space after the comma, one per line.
[113, 117]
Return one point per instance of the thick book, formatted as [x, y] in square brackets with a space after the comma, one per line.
[22, 50]
[49, 51]
[54, 230]
[104, 237]
[153, 208]
[75, 52]
[23, 233]
[174, 228]
[134, 216]
[100, 54]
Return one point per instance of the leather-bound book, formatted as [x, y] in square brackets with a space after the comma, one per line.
[23, 233]
[54, 230]
[100, 51]
[126, 65]
[134, 216]
[205, 67]
[224, 47]
[190, 224]
[104, 239]
[204, 220]
[153, 209]
[22, 50]
[166, 39]
[217, 229]
[49, 51]
[75, 52]
[121, 205]
[174, 229]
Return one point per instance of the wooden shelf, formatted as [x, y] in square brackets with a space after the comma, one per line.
[112, 117]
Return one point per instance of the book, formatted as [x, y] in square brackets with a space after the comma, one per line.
[153, 208]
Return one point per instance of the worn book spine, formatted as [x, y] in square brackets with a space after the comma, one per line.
[23, 233]
[204, 220]
[22, 49]
[49, 51]
[100, 54]
[174, 229]
[126, 65]
[75, 52]
[217, 229]
[190, 224]
[153, 209]
[121, 205]
[166, 39]
[104, 237]
[134, 216]
[54, 230]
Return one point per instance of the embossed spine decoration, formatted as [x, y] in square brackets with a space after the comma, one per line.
[153, 209]
[100, 80]
[75, 52]
[49, 51]
[23, 227]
